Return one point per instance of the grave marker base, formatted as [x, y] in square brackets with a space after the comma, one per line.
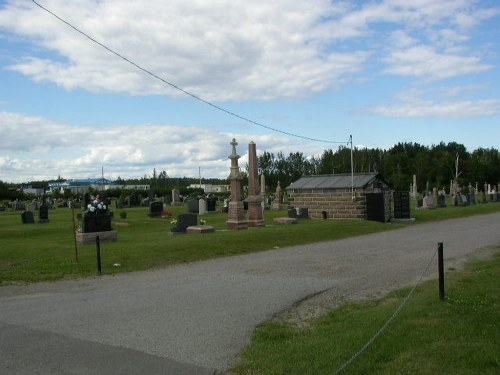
[89, 238]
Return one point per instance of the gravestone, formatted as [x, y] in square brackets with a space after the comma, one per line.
[236, 213]
[292, 213]
[441, 201]
[303, 213]
[202, 207]
[193, 206]
[254, 198]
[175, 197]
[401, 204]
[43, 214]
[211, 204]
[184, 221]
[278, 200]
[132, 200]
[27, 217]
[155, 209]
[119, 203]
[96, 222]
[427, 202]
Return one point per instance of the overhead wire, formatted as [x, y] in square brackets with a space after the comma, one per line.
[186, 92]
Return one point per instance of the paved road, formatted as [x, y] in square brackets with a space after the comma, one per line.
[194, 318]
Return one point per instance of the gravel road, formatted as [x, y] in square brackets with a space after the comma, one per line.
[195, 318]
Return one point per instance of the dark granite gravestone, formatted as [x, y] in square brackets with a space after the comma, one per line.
[119, 204]
[43, 214]
[27, 217]
[303, 213]
[92, 222]
[211, 203]
[401, 204]
[193, 206]
[441, 201]
[292, 212]
[184, 221]
[151, 195]
[155, 209]
[132, 200]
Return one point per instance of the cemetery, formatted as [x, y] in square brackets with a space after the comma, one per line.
[140, 230]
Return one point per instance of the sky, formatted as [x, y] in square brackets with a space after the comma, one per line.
[127, 87]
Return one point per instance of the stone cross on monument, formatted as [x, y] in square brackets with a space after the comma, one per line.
[236, 210]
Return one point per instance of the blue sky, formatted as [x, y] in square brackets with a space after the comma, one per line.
[384, 72]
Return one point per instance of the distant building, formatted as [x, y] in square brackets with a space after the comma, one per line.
[209, 188]
[131, 187]
[80, 186]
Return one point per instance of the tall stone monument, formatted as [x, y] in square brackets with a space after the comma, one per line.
[236, 211]
[254, 199]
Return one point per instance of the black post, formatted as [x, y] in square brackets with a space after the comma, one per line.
[98, 249]
[441, 270]
[74, 232]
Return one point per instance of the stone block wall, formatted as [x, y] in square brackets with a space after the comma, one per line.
[335, 204]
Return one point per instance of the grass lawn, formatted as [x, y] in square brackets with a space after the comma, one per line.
[41, 252]
[459, 336]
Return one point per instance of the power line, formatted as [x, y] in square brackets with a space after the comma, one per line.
[180, 88]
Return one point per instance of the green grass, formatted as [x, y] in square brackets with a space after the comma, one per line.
[44, 252]
[459, 336]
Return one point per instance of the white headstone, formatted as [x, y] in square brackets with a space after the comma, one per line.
[202, 207]
[428, 202]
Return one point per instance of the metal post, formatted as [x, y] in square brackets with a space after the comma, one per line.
[441, 270]
[74, 232]
[98, 250]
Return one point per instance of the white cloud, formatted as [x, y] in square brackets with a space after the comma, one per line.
[426, 63]
[231, 50]
[423, 108]
[220, 51]
[39, 148]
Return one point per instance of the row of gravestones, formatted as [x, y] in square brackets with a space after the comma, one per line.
[457, 200]
[28, 217]
[202, 206]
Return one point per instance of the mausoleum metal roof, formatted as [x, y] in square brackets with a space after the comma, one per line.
[337, 181]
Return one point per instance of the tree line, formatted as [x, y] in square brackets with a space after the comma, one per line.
[436, 165]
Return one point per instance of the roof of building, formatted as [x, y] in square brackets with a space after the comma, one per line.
[337, 181]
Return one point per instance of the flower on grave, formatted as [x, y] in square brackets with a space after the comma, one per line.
[97, 207]
[203, 221]
[173, 223]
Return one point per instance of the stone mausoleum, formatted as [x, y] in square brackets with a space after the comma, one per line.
[342, 196]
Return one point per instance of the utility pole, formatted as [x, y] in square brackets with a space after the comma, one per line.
[352, 170]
